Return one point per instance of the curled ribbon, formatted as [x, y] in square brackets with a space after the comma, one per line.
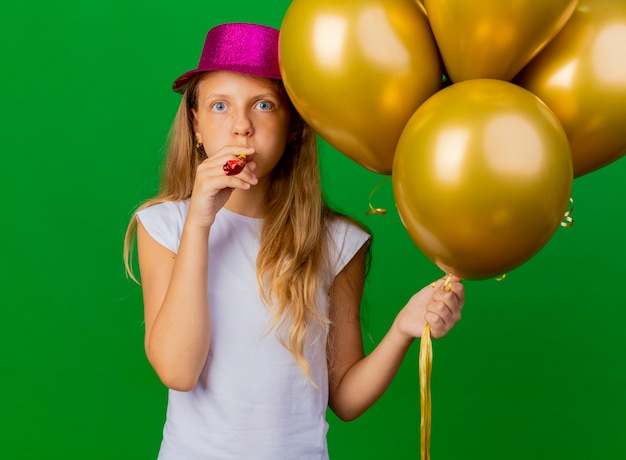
[568, 220]
[373, 210]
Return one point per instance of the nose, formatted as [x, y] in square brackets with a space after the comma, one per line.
[242, 124]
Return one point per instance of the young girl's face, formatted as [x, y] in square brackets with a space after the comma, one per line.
[241, 110]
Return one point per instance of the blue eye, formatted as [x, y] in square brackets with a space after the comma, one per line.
[265, 105]
[218, 107]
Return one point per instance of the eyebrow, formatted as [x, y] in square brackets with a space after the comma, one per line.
[270, 95]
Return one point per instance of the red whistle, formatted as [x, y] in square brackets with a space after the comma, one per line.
[234, 167]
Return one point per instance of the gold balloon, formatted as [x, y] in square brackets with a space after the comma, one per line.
[494, 38]
[581, 76]
[420, 3]
[357, 70]
[482, 177]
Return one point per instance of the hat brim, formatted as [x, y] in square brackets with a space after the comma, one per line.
[180, 84]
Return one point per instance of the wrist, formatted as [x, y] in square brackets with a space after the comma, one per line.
[409, 323]
[399, 334]
[192, 228]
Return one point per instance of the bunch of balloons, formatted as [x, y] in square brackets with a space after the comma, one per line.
[483, 166]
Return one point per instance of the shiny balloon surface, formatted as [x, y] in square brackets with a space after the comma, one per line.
[581, 76]
[356, 71]
[482, 177]
[494, 38]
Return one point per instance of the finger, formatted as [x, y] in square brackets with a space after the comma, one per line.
[247, 173]
[244, 181]
[440, 309]
[229, 152]
[454, 288]
[459, 292]
[230, 160]
[239, 153]
[213, 178]
[450, 296]
[450, 312]
[448, 301]
[438, 327]
[453, 306]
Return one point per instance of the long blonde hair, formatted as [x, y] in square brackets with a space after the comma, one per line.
[292, 253]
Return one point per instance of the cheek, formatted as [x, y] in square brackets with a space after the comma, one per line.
[280, 130]
[271, 150]
[213, 134]
[278, 141]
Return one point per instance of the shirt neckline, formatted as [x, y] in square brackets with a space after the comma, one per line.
[241, 216]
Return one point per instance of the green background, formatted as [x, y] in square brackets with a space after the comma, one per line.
[534, 370]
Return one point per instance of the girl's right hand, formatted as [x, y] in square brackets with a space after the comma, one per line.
[212, 187]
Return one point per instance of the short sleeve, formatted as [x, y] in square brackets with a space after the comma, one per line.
[346, 239]
[164, 222]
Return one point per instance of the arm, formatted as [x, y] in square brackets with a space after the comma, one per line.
[176, 310]
[357, 381]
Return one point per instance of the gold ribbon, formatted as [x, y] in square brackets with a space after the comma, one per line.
[425, 370]
[568, 220]
[373, 210]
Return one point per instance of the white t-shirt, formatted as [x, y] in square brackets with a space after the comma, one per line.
[252, 400]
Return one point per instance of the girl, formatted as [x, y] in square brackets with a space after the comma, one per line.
[251, 284]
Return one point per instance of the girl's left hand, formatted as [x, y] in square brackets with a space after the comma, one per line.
[439, 304]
